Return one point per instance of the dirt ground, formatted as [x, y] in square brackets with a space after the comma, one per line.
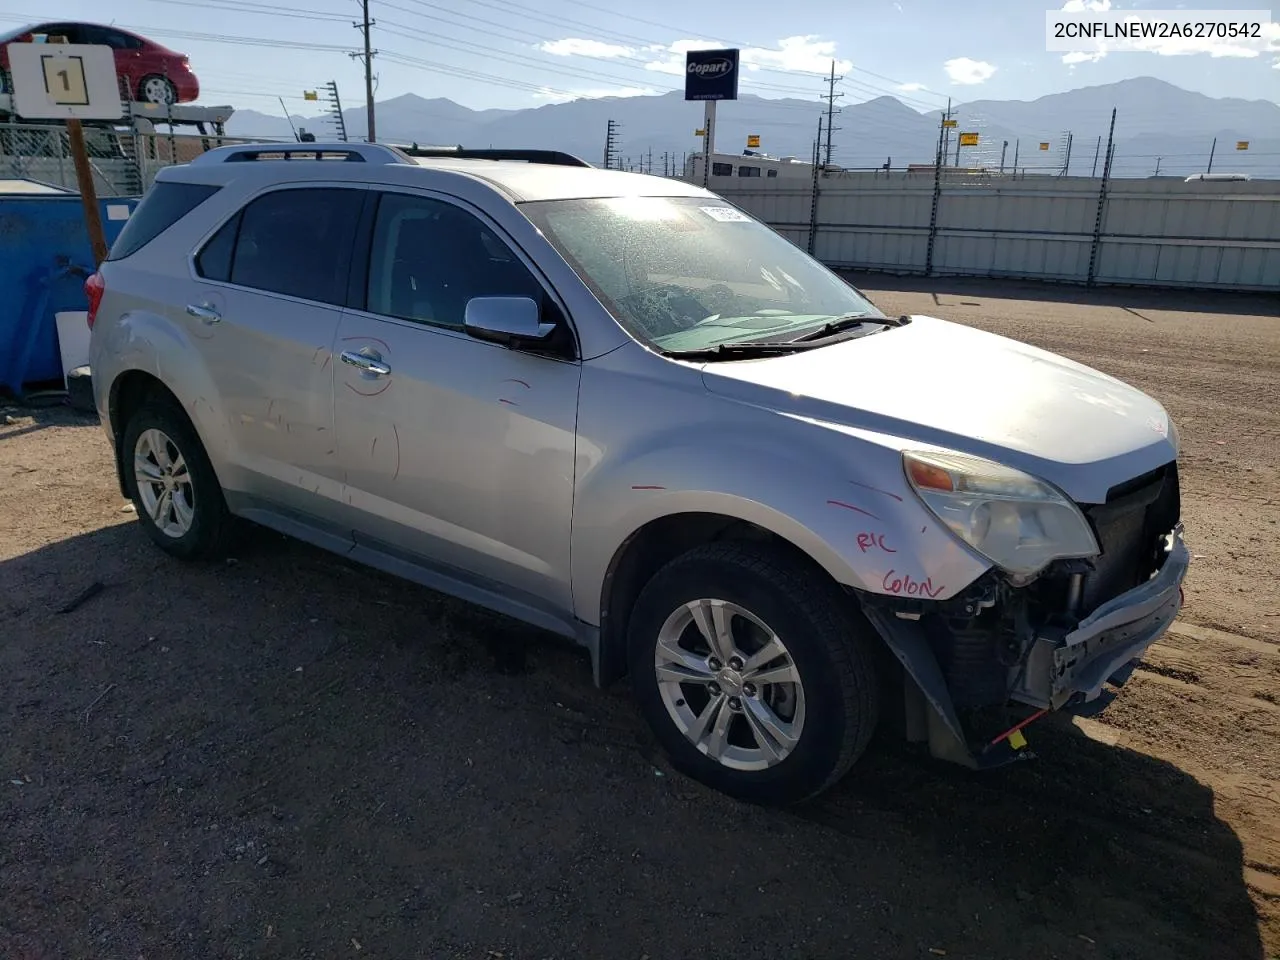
[287, 756]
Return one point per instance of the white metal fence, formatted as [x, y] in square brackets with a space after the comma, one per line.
[1153, 232]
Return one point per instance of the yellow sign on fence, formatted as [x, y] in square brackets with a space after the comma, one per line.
[1242, 144]
[700, 132]
[1044, 145]
[968, 139]
[310, 95]
[949, 123]
[753, 140]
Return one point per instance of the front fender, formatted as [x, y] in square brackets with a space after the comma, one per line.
[850, 521]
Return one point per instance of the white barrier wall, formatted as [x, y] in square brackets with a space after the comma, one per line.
[1165, 232]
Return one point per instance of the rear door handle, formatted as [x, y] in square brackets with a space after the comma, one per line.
[203, 312]
[366, 363]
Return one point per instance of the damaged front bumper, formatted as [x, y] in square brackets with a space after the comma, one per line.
[1065, 669]
[1071, 669]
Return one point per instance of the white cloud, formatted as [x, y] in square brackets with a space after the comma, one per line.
[577, 47]
[1080, 6]
[968, 71]
[1079, 56]
[911, 87]
[897, 6]
[564, 96]
[804, 54]
[673, 63]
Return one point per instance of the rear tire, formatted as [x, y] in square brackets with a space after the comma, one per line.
[791, 721]
[171, 482]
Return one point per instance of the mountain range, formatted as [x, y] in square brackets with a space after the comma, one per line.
[1159, 128]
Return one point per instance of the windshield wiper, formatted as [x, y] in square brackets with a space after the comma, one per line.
[838, 325]
[741, 351]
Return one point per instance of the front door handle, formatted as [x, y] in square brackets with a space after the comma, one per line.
[366, 363]
[203, 312]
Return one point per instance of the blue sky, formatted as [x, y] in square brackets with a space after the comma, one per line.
[520, 53]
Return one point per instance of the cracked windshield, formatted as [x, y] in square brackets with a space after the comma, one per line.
[689, 273]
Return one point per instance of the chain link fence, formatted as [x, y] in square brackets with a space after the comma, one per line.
[124, 163]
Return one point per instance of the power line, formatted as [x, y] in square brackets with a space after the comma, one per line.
[739, 43]
[508, 7]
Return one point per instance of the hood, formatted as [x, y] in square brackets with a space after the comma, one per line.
[949, 385]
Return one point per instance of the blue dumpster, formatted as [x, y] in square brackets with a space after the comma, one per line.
[45, 257]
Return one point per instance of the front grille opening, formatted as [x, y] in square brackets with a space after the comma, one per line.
[1152, 477]
[1129, 528]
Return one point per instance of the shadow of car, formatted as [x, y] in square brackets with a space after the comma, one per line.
[338, 744]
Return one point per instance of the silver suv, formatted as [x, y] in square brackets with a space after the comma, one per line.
[619, 408]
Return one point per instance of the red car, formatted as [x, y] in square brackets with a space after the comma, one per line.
[152, 73]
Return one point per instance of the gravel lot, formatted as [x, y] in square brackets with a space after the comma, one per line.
[286, 756]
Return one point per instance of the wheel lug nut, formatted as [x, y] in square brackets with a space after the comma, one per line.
[735, 663]
[714, 664]
[735, 703]
[713, 689]
[749, 689]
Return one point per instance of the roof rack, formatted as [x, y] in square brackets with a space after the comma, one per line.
[555, 157]
[341, 151]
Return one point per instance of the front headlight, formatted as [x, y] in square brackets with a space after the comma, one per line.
[1018, 522]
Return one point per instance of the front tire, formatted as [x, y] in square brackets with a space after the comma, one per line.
[752, 672]
[171, 482]
[157, 89]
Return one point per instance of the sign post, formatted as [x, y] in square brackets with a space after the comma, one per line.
[71, 82]
[710, 76]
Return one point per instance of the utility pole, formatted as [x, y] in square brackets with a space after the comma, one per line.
[367, 56]
[611, 145]
[1157, 173]
[830, 97]
[946, 132]
[1003, 148]
[1096, 150]
[1212, 150]
[1067, 164]
[649, 162]
[1016, 144]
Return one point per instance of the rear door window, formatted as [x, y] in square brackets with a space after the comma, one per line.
[165, 204]
[296, 242]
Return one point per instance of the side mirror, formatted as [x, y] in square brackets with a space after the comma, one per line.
[513, 321]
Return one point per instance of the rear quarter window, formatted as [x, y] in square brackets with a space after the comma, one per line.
[165, 204]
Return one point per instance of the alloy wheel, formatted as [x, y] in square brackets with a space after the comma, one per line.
[164, 483]
[729, 684]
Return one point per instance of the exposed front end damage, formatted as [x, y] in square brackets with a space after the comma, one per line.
[980, 665]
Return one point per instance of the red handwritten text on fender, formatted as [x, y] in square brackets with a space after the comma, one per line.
[905, 584]
[873, 541]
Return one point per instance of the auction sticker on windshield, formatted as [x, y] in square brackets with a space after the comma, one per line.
[725, 214]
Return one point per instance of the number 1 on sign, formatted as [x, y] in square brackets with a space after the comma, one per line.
[64, 80]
